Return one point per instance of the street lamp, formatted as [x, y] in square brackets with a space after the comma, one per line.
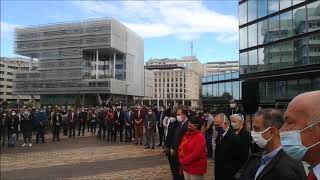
[127, 95]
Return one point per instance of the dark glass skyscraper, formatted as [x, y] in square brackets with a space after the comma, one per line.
[279, 50]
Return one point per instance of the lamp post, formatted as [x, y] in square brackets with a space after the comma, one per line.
[127, 95]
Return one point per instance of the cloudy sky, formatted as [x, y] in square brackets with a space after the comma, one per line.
[168, 27]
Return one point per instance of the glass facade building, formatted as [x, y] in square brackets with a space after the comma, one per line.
[217, 88]
[279, 48]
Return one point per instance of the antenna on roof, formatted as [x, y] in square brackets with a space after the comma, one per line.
[191, 48]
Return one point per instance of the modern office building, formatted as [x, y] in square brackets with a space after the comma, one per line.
[8, 68]
[90, 62]
[279, 50]
[219, 89]
[176, 81]
[220, 67]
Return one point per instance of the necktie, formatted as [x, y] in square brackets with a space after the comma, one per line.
[312, 176]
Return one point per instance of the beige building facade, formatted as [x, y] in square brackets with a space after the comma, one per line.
[220, 67]
[8, 69]
[176, 81]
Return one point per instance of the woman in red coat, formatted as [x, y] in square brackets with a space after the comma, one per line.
[192, 152]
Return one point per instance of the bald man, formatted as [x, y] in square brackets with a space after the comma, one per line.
[300, 135]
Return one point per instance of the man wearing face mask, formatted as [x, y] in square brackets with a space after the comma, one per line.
[138, 125]
[82, 121]
[12, 129]
[300, 135]
[151, 121]
[4, 127]
[274, 163]
[181, 129]
[56, 122]
[226, 152]
[119, 123]
[160, 117]
[40, 121]
[27, 126]
[208, 131]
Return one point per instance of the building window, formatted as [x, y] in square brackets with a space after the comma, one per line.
[273, 6]
[9, 80]
[252, 30]
[9, 86]
[9, 73]
[9, 93]
[243, 13]
[243, 38]
[262, 8]
[300, 20]
[252, 10]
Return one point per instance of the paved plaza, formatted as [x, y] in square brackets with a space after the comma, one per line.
[85, 158]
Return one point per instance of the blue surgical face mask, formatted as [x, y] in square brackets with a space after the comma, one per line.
[292, 144]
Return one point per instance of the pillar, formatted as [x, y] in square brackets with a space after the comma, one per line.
[97, 64]
[31, 64]
[114, 65]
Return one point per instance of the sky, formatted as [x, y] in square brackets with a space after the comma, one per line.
[168, 27]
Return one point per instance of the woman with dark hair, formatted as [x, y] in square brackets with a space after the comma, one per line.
[192, 152]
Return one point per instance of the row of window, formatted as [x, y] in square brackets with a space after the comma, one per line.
[7, 93]
[163, 80]
[298, 21]
[254, 9]
[221, 77]
[171, 95]
[219, 89]
[303, 51]
[168, 85]
[3, 79]
[287, 89]
[2, 86]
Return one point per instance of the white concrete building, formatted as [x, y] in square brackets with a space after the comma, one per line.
[8, 69]
[176, 81]
[220, 67]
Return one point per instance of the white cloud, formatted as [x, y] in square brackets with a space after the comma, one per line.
[186, 20]
[7, 30]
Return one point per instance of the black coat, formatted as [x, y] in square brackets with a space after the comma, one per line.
[244, 145]
[178, 134]
[119, 120]
[26, 123]
[170, 136]
[13, 123]
[284, 168]
[55, 121]
[227, 156]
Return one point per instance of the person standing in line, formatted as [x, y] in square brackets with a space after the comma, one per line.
[102, 114]
[178, 134]
[12, 129]
[238, 125]
[4, 127]
[65, 123]
[128, 119]
[119, 123]
[72, 119]
[93, 122]
[138, 125]
[300, 134]
[151, 121]
[56, 122]
[27, 127]
[40, 121]
[208, 131]
[110, 123]
[226, 162]
[82, 121]
[192, 152]
[160, 117]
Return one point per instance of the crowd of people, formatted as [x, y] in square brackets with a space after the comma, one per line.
[274, 149]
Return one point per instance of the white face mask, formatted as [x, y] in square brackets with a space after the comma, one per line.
[150, 112]
[13, 114]
[232, 106]
[235, 125]
[179, 119]
[258, 139]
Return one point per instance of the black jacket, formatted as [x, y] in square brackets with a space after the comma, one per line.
[170, 135]
[55, 121]
[178, 134]
[26, 123]
[227, 156]
[244, 145]
[281, 167]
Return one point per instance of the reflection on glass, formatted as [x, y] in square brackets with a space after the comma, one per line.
[252, 10]
[294, 2]
[273, 33]
[243, 38]
[299, 20]
[204, 79]
[228, 76]
[270, 90]
[209, 89]
[235, 90]
[274, 56]
[313, 16]
[221, 77]
[262, 8]
[262, 31]
[204, 90]
[281, 89]
[253, 61]
[262, 58]
[215, 78]
[316, 83]
[286, 25]
[215, 90]
[221, 89]
[243, 62]
[235, 75]
[262, 90]
[287, 50]
[314, 49]
[292, 88]
[285, 4]
[273, 6]
[305, 85]
[252, 31]
[301, 52]
[229, 88]
[209, 78]
[243, 13]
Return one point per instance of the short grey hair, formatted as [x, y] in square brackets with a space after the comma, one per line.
[271, 117]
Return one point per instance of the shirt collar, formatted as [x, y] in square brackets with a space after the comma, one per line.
[266, 158]
[225, 132]
[316, 171]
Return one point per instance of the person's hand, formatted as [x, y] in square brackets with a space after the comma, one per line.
[172, 153]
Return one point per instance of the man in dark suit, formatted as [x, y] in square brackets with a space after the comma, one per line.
[72, 118]
[227, 161]
[128, 120]
[160, 117]
[56, 124]
[82, 121]
[303, 115]
[119, 123]
[181, 129]
[274, 163]
[138, 125]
